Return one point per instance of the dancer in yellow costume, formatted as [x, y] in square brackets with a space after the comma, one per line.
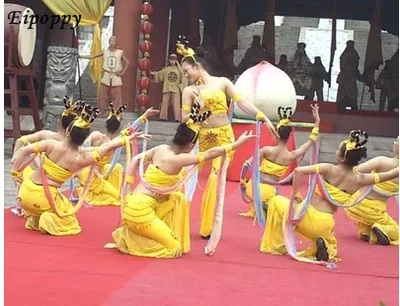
[318, 223]
[157, 225]
[275, 160]
[374, 223]
[212, 93]
[51, 212]
[104, 188]
[67, 116]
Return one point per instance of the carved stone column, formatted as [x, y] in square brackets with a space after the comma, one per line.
[60, 82]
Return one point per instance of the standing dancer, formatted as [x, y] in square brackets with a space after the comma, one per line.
[104, 188]
[275, 160]
[374, 223]
[46, 208]
[155, 216]
[337, 186]
[212, 93]
[71, 111]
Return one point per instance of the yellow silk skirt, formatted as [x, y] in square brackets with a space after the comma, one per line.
[313, 225]
[267, 193]
[41, 216]
[102, 191]
[372, 213]
[27, 173]
[151, 228]
[210, 138]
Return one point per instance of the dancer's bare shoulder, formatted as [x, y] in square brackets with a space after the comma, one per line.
[97, 138]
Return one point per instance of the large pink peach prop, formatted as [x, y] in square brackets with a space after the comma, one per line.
[267, 87]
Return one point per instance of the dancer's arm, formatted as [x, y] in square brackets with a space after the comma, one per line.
[142, 119]
[184, 160]
[37, 147]
[134, 165]
[299, 172]
[187, 102]
[125, 65]
[371, 165]
[375, 178]
[295, 154]
[31, 138]
[246, 106]
[107, 148]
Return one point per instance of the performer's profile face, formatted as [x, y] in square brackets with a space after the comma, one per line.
[191, 73]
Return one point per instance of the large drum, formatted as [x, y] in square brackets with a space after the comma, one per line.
[20, 38]
[267, 87]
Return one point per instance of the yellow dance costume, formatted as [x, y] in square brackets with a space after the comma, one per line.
[313, 225]
[40, 215]
[158, 226]
[28, 171]
[371, 213]
[215, 100]
[267, 191]
[102, 190]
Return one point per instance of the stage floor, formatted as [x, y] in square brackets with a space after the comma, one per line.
[77, 270]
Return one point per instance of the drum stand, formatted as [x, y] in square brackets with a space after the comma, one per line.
[14, 73]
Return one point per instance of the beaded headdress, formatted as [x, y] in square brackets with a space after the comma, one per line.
[357, 139]
[284, 114]
[87, 117]
[196, 118]
[72, 108]
[183, 49]
[118, 113]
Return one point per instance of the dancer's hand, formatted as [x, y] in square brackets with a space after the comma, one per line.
[271, 128]
[315, 111]
[245, 137]
[151, 112]
[17, 176]
[139, 135]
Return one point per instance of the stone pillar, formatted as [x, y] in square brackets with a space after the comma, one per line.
[60, 75]
[269, 30]
[159, 38]
[126, 29]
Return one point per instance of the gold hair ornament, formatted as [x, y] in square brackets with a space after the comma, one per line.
[72, 108]
[77, 107]
[284, 113]
[118, 113]
[86, 118]
[354, 141]
[183, 49]
[68, 107]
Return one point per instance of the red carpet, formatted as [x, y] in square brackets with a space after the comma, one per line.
[77, 270]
